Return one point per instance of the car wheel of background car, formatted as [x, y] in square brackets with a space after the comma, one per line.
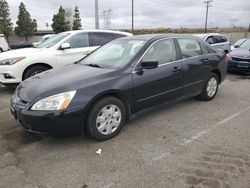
[210, 88]
[34, 70]
[106, 118]
[1, 50]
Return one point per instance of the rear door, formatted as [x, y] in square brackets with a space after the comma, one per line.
[195, 64]
[162, 84]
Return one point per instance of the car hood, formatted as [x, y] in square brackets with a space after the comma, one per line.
[55, 81]
[241, 52]
[21, 52]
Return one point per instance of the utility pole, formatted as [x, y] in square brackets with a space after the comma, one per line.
[132, 16]
[96, 15]
[207, 6]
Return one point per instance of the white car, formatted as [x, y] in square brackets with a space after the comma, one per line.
[44, 38]
[62, 49]
[3, 44]
[216, 40]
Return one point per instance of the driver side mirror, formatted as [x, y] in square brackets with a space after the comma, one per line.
[152, 64]
[65, 46]
[236, 46]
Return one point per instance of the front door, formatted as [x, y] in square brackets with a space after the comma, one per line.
[79, 47]
[162, 84]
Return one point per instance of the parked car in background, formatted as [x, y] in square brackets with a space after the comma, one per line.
[3, 44]
[44, 38]
[216, 40]
[238, 43]
[62, 49]
[239, 59]
[23, 44]
[117, 82]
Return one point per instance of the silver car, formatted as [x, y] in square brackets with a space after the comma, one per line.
[216, 40]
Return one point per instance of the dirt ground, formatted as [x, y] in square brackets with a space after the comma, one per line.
[192, 144]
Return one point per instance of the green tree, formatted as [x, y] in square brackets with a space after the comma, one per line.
[77, 20]
[25, 25]
[5, 22]
[60, 23]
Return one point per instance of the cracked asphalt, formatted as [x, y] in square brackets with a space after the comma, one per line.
[192, 144]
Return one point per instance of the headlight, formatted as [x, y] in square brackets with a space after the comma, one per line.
[11, 61]
[55, 102]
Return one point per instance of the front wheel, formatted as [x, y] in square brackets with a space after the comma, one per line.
[106, 118]
[210, 88]
[34, 70]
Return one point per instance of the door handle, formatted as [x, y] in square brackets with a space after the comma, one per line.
[176, 69]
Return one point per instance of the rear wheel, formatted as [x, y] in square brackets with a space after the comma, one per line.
[106, 118]
[1, 50]
[210, 88]
[34, 70]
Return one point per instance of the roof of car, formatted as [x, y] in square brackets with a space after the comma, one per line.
[99, 30]
[159, 36]
[205, 35]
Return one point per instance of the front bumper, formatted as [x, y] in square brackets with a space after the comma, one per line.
[15, 76]
[238, 66]
[64, 122]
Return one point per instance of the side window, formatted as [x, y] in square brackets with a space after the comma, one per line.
[210, 40]
[116, 36]
[99, 39]
[189, 47]
[79, 40]
[162, 51]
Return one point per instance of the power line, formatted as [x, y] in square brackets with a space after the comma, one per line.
[132, 16]
[207, 7]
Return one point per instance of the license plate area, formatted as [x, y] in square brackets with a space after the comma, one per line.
[243, 64]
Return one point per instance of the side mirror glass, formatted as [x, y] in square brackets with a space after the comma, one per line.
[65, 45]
[151, 64]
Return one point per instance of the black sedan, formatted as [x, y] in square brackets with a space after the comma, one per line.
[115, 83]
[239, 59]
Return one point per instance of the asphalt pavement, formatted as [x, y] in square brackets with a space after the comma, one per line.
[191, 144]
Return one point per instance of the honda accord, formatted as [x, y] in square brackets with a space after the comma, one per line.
[115, 83]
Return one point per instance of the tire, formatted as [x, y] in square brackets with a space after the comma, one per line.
[32, 71]
[212, 82]
[1, 50]
[112, 121]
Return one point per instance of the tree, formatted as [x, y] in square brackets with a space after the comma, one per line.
[5, 22]
[25, 25]
[60, 23]
[77, 20]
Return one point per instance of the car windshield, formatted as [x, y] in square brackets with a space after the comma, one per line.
[115, 54]
[239, 42]
[52, 41]
[246, 44]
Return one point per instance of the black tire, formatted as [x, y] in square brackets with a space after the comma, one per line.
[33, 70]
[204, 93]
[1, 50]
[96, 110]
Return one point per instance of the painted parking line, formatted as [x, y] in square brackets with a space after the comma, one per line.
[206, 131]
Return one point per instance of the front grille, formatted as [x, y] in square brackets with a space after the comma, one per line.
[240, 59]
[18, 102]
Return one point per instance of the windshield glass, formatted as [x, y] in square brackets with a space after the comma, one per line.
[52, 41]
[239, 42]
[246, 44]
[115, 54]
